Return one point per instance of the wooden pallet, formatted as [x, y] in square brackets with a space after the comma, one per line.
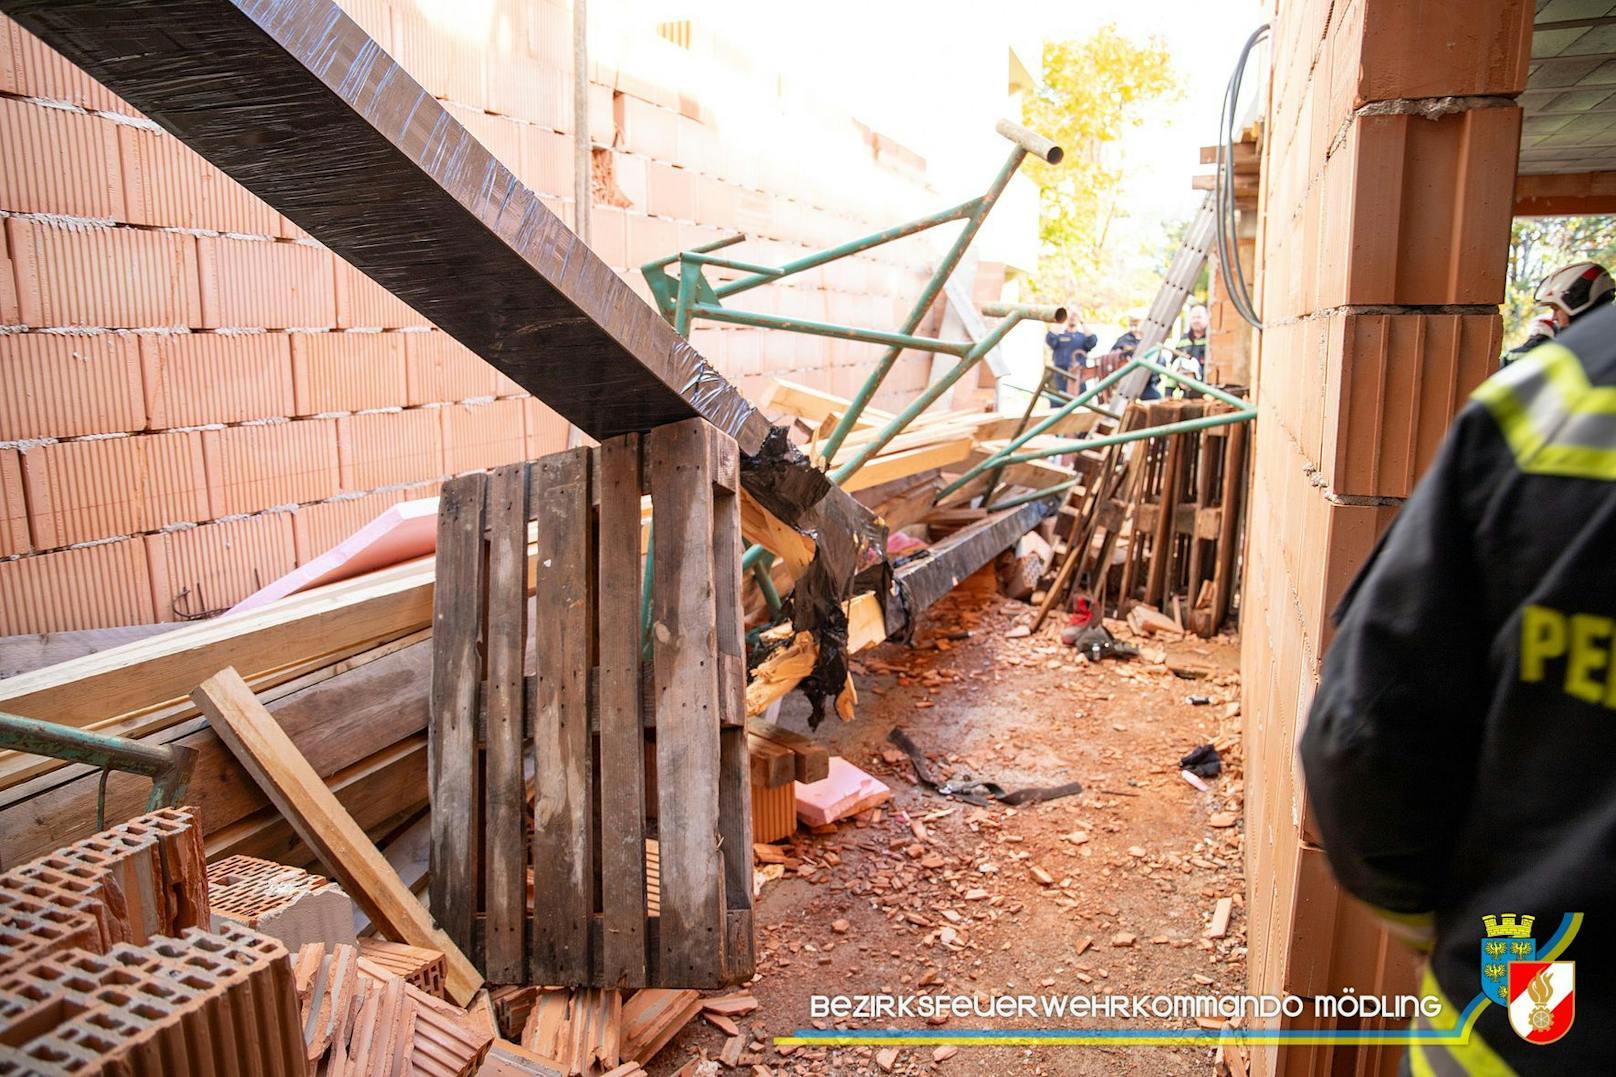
[599, 721]
[1173, 506]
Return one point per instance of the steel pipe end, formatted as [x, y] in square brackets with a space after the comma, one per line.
[1043, 148]
[1037, 314]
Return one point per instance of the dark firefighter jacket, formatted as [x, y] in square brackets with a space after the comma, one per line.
[1460, 753]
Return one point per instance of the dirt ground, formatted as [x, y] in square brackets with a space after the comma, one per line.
[1110, 891]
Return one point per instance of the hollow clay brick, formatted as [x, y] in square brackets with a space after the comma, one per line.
[194, 379]
[64, 385]
[282, 902]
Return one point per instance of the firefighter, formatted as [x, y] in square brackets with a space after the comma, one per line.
[1568, 293]
[1459, 750]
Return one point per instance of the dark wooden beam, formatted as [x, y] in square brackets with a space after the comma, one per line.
[1567, 194]
[922, 582]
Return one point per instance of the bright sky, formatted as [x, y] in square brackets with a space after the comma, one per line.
[916, 68]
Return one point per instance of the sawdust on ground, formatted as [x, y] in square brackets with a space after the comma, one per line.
[1108, 892]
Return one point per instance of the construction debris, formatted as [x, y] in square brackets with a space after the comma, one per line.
[282, 902]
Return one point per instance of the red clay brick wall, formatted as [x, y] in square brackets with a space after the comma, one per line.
[1383, 252]
[195, 397]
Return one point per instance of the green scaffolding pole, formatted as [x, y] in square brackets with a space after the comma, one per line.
[688, 296]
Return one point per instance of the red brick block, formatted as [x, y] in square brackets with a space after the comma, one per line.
[193, 379]
[545, 163]
[251, 468]
[647, 129]
[439, 369]
[269, 285]
[214, 566]
[671, 192]
[1428, 48]
[166, 184]
[364, 304]
[113, 277]
[650, 238]
[81, 491]
[66, 385]
[347, 371]
[100, 586]
[631, 174]
[608, 235]
[390, 448]
[1430, 210]
[478, 436]
[602, 124]
[30, 69]
[532, 92]
[13, 510]
[317, 528]
[54, 161]
[1400, 380]
[545, 430]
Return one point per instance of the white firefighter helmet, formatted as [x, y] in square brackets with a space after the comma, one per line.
[1575, 288]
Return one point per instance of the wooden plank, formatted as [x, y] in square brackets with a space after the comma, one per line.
[505, 799]
[815, 405]
[813, 758]
[564, 876]
[1233, 512]
[767, 530]
[687, 708]
[734, 780]
[784, 670]
[293, 786]
[771, 765]
[622, 738]
[335, 723]
[1157, 579]
[909, 462]
[331, 622]
[457, 622]
[373, 790]
[1571, 194]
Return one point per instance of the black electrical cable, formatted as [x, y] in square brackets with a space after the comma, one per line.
[1229, 267]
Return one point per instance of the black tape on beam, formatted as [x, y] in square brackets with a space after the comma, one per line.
[299, 105]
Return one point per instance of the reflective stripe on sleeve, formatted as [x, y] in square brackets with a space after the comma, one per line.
[1554, 421]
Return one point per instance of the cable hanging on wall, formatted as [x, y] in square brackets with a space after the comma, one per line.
[1229, 267]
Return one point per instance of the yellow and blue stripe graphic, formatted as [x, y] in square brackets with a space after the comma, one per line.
[1453, 1032]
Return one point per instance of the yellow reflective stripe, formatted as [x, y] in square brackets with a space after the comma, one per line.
[1467, 1054]
[1406, 919]
[1554, 421]
[1414, 929]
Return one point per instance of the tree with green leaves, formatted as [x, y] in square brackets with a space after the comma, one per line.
[1093, 91]
[1537, 247]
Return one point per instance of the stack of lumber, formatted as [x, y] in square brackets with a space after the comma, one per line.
[1160, 526]
[936, 441]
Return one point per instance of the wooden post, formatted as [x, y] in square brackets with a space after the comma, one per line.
[457, 616]
[622, 737]
[563, 867]
[286, 778]
[505, 882]
[685, 670]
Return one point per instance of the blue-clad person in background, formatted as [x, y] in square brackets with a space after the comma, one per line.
[1071, 346]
